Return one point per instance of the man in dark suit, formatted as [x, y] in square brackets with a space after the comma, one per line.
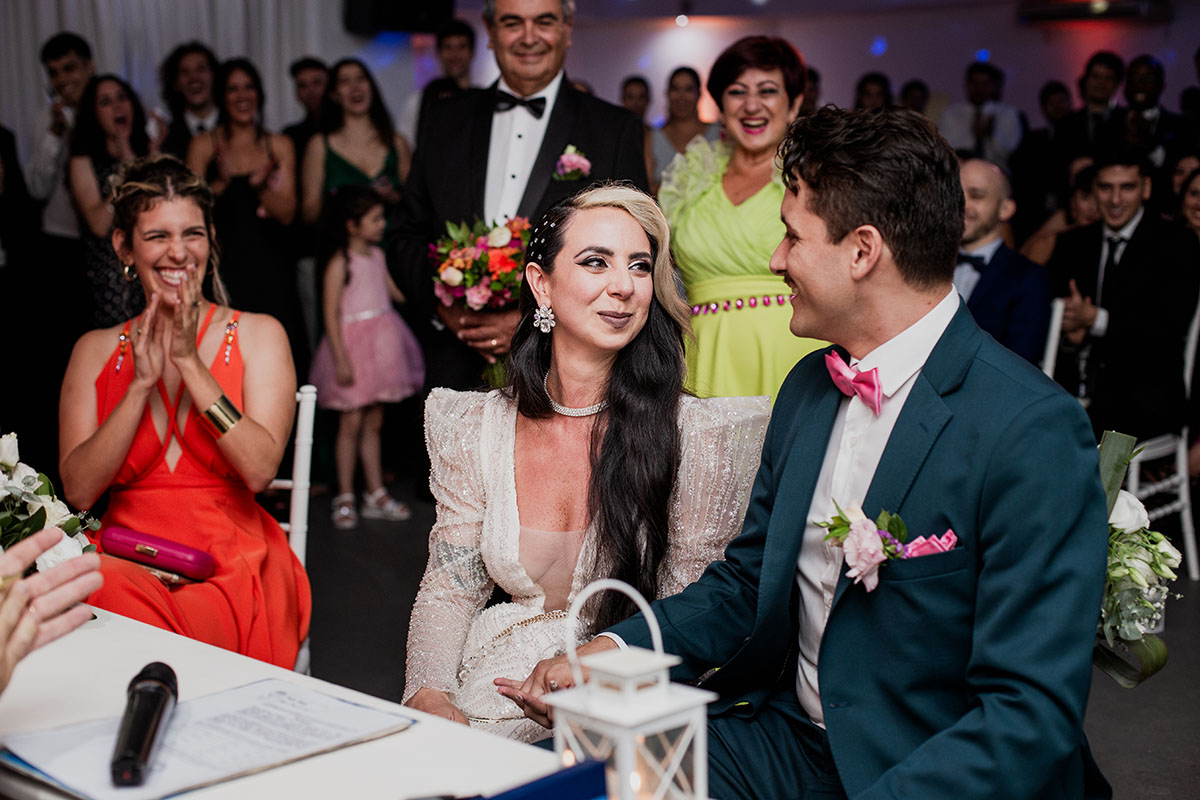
[1097, 125]
[1159, 134]
[957, 674]
[1008, 294]
[491, 154]
[1130, 283]
[186, 78]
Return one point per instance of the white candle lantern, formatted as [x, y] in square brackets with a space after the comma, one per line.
[653, 733]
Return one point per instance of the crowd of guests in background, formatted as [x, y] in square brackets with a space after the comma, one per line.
[1051, 196]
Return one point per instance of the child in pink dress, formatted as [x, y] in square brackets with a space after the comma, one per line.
[367, 357]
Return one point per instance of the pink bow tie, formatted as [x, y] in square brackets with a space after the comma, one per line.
[852, 382]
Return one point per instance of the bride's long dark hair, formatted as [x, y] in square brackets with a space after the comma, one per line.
[635, 441]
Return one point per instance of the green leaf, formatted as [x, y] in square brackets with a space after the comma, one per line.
[36, 521]
[91, 548]
[45, 488]
[70, 526]
[1150, 653]
[1115, 451]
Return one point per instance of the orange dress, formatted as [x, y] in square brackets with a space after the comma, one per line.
[258, 601]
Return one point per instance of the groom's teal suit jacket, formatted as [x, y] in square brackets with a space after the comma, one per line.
[964, 674]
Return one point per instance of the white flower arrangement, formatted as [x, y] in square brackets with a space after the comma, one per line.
[1141, 563]
[28, 504]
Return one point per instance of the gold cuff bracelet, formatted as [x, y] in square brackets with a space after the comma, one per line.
[220, 417]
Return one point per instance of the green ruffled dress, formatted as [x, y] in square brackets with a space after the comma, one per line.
[740, 311]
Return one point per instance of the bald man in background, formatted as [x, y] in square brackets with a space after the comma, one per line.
[1008, 294]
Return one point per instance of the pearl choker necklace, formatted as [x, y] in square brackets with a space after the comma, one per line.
[567, 411]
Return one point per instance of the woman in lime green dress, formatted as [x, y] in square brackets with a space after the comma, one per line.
[722, 200]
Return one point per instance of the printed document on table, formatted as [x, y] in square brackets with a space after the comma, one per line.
[209, 739]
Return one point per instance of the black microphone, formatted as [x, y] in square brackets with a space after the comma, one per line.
[151, 694]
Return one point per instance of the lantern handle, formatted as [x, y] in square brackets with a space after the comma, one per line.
[593, 588]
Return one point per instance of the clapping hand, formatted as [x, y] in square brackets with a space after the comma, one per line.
[187, 318]
[1079, 314]
[38, 609]
[147, 335]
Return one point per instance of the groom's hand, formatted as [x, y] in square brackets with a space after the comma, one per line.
[549, 675]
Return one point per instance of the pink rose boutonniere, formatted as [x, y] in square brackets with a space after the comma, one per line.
[572, 165]
[869, 544]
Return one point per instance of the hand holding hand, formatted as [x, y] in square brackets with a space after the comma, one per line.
[549, 675]
[437, 703]
[39, 609]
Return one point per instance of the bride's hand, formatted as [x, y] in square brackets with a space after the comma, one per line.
[187, 318]
[148, 356]
[437, 703]
[549, 675]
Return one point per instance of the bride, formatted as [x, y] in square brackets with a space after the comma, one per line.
[590, 463]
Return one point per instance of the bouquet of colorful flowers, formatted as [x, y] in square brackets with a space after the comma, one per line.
[480, 264]
[1141, 562]
[28, 504]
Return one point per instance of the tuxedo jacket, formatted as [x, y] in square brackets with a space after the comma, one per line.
[178, 137]
[1012, 303]
[965, 673]
[447, 185]
[1135, 371]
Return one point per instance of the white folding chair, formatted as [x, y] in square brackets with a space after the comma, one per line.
[1177, 483]
[298, 485]
[1050, 355]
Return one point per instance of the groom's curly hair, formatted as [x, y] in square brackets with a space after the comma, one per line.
[890, 169]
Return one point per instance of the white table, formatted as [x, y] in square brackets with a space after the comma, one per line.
[84, 675]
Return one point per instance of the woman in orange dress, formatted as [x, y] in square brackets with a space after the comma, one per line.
[183, 413]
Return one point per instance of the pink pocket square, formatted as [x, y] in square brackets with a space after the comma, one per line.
[921, 546]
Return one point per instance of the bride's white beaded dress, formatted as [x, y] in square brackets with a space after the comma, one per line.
[455, 644]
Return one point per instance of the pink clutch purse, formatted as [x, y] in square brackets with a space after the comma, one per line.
[154, 551]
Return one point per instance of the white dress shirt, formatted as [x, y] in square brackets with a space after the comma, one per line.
[516, 138]
[856, 444]
[47, 176]
[194, 123]
[966, 277]
[957, 124]
[1100, 325]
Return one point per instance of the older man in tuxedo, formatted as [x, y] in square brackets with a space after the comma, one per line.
[1008, 294]
[954, 674]
[491, 154]
[1131, 284]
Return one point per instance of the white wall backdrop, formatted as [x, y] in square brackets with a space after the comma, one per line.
[905, 39]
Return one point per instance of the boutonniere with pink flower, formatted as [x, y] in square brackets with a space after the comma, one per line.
[572, 165]
[868, 544]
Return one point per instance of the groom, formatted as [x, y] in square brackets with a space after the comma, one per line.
[958, 674]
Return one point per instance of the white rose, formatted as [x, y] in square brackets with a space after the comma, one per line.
[56, 510]
[1128, 514]
[64, 551]
[499, 236]
[452, 276]
[9, 455]
[22, 473]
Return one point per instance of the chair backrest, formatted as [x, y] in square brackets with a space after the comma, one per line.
[1189, 352]
[1050, 355]
[297, 524]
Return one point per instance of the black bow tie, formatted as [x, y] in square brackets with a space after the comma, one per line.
[978, 262]
[505, 101]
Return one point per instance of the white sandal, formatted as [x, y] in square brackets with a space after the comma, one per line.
[344, 516]
[379, 505]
